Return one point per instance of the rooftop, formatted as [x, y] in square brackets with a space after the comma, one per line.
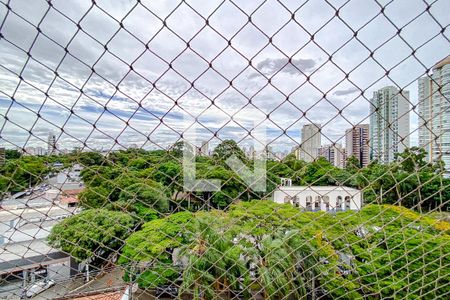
[30, 254]
[103, 296]
[26, 249]
[316, 188]
[442, 63]
[33, 213]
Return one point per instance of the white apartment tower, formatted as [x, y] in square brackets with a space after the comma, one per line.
[389, 123]
[434, 113]
[51, 144]
[311, 142]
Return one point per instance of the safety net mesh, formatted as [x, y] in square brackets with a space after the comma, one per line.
[224, 149]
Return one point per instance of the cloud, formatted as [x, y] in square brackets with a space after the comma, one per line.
[210, 77]
[297, 66]
[348, 91]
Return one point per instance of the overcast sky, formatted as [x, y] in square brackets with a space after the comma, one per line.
[226, 64]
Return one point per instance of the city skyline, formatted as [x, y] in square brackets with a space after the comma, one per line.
[305, 85]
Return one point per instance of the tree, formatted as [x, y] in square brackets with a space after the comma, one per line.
[90, 159]
[170, 174]
[123, 157]
[213, 263]
[232, 187]
[19, 174]
[286, 264]
[274, 250]
[139, 211]
[97, 175]
[121, 182]
[293, 163]
[352, 164]
[280, 169]
[228, 148]
[147, 194]
[318, 172]
[138, 164]
[92, 232]
[177, 149]
[412, 159]
[12, 154]
[154, 245]
[94, 197]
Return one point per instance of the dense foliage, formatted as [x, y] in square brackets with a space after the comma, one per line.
[22, 171]
[261, 247]
[408, 181]
[254, 246]
[93, 231]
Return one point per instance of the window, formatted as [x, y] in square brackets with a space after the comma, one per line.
[339, 203]
[317, 203]
[347, 202]
[326, 201]
[296, 201]
[308, 203]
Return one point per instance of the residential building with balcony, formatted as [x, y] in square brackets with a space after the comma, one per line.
[311, 142]
[357, 143]
[434, 113]
[389, 123]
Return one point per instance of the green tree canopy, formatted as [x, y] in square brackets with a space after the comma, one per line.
[94, 197]
[352, 164]
[148, 194]
[227, 149]
[93, 231]
[291, 252]
[412, 159]
[19, 174]
[12, 154]
[90, 159]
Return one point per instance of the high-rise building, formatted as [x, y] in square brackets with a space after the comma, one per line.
[269, 152]
[51, 144]
[39, 151]
[30, 151]
[204, 149]
[251, 152]
[434, 113]
[335, 154]
[389, 123]
[311, 142]
[357, 143]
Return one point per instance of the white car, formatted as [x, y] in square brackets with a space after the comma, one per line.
[38, 287]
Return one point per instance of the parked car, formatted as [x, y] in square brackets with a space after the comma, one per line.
[38, 287]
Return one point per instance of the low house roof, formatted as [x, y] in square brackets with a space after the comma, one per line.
[72, 192]
[318, 189]
[117, 295]
[69, 199]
